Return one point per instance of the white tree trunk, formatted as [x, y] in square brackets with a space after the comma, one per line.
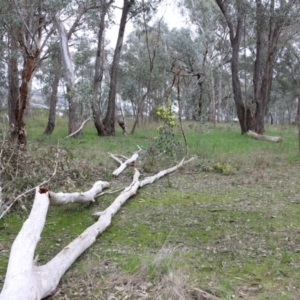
[69, 75]
[268, 138]
[24, 280]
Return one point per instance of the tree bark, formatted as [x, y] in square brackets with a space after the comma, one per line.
[235, 35]
[99, 69]
[53, 98]
[257, 74]
[13, 81]
[69, 75]
[18, 131]
[251, 116]
[109, 120]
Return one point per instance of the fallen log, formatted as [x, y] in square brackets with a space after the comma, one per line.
[78, 197]
[27, 281]
[268, 138]
[124, 164]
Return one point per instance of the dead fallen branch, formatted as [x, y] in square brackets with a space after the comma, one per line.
[124, 164]
[79, 129]
[268, 138]
[78, 197]
[24, 279]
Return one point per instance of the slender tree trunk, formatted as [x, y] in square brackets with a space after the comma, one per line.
[237, 91]
[199, 101]
[141, 103]
[18, 131]
[73, 99]
[212, 97]
[109, 120]
[254, 115]
[266, 51]
[274, 33]
[13, 81]
[220, 92]
[140, 108]
[99, 69]
[235, 40]
[53, 98]
[198, 107]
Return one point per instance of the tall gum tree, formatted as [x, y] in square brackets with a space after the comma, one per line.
[235, 25]
[130, 9]
[99, 67]
[108, 122]
[270, 20]
[64, 59]
[27, 36]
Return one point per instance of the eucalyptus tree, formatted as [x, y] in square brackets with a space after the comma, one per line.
[143, 67]
[212, 51]
[269, 22]
[3, 66]
[97, 22]
[108, 123]
[130, 9]
[288, 79]
[29, 27]
[188, 55]
[77, 11]
[53, 70]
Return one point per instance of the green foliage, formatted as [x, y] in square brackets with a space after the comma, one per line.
[224, 168]
[166, 115]
[166, 143]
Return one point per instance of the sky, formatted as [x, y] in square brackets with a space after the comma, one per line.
[168, 10]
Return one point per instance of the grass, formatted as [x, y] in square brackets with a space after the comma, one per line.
[234, 234]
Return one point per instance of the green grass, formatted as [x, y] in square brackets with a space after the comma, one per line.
[231, 234]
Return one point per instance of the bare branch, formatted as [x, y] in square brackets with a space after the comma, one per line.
[79, 129]
[125, 164]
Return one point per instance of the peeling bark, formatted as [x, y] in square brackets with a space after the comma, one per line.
[18, 130]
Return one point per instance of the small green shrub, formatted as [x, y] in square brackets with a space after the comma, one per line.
[166, 142]
[224, 168]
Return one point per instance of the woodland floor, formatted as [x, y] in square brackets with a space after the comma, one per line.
[228, 225]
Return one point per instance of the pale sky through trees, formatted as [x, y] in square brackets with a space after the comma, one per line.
[168, 9]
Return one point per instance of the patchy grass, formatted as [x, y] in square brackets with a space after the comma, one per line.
[233, 234]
